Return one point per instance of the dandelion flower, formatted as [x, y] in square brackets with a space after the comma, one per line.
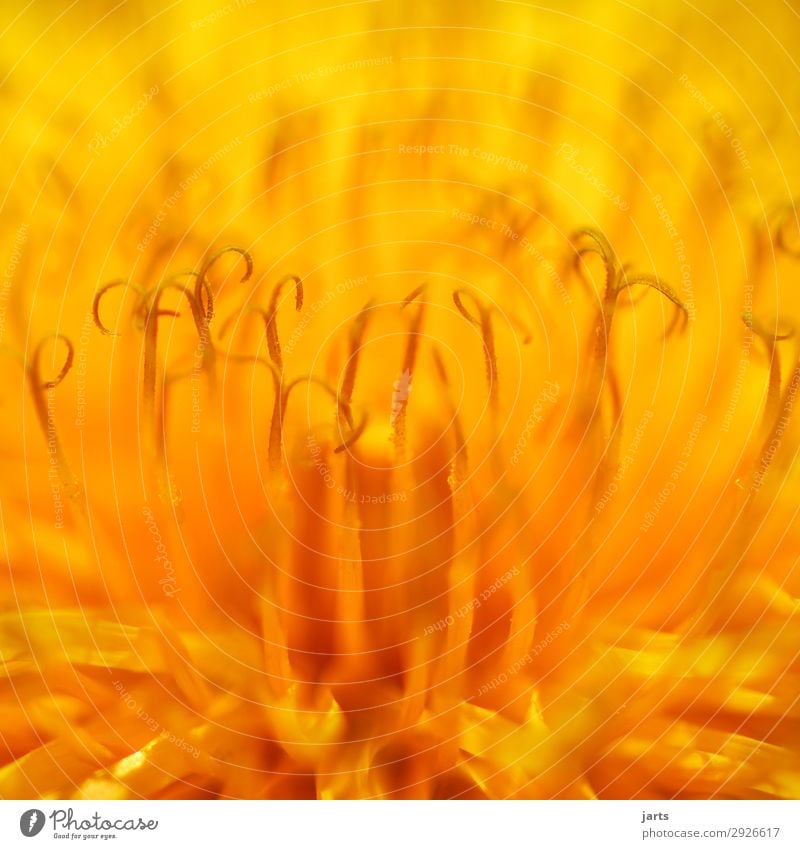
[399, 403]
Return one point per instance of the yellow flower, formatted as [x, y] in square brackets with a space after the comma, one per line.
[379, 416]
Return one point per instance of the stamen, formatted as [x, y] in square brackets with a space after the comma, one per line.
[654, 282]
[677, 324]
[225, 326]
[782, 419]
[600, 375]
[152, 424]
[203, 314]
[357, 331]
[729, 558]
[616, 394]
[355, 435]
[617, 280]
[409, 361]
[269, 318]
[249, 309]
[275, 437]
[681, 318]
[47, 422]
[273, 343]
[601, 247]
[633, 297]
[202, 318]
[168, 491]
[787, 231]
[254, 359]
[279, 413]
[152, 314]
[522, 330]
[99, 296]
[770, 340]
[483, 322]
[150, 311]
[200, 315]
[203, 285]
[410, 298]
[51, 384]
[459, 466]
